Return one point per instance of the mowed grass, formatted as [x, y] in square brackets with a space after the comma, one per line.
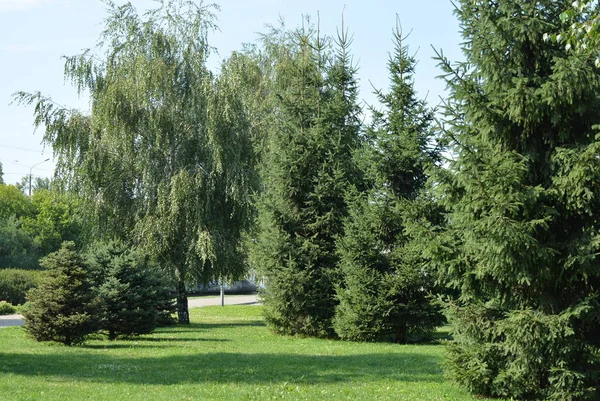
[225, 354]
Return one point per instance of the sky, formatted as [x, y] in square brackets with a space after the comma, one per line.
[34, 34]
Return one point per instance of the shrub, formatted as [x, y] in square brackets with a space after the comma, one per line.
[134, 298]
[7, 308]
[62, 306]
[14, 284]
[22, 308]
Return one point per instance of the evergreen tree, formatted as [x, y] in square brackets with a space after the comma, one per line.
[306, 169]
[131, 295]
[521, 240]
[385, 287]
[63, 307]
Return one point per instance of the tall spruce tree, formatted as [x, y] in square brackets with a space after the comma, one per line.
[385, 287]
[522, 234]
[306, 170]
[164, 159]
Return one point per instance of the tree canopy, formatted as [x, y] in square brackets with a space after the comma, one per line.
[521, 239]
[306, 170]
[163, 159]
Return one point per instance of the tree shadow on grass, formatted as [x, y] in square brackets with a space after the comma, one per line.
[176, 339]
[195, 327]
[138, 342]
[220, 367]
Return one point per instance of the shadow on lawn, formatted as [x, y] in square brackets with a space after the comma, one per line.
[219, 367]
[195, 327]
[138, 342]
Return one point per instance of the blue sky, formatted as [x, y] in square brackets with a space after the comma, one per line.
[34, 34]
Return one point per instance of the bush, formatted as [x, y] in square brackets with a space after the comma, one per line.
[62, 306]
[14, 284]
[22, 308]
[134, 298]
[7, 308]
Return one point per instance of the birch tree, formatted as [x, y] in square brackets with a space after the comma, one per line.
[163, 158]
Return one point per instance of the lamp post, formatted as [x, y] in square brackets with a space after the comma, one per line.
[30, 173]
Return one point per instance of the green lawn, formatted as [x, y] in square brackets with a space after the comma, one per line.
[225, 354]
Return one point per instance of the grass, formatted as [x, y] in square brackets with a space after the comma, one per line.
[225, 354]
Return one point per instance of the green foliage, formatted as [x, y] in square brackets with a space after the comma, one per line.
[164, 160]
[17, 248]
[15, 283]
[56, 219]
[385, 288]
[521, 239]
[37, 183]
[307, 167]
[62, 307]
[133, 298]
[516, 354]
[581, 29]
[6, 308]
[13, 202]
[33, 227]
[16, 245]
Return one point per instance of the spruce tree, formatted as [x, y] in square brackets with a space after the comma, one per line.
[63, 308]
[306, 169]
[385, 288]
[521, 240]
[132, 296]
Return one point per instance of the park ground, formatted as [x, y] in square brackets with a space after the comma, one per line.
[227, 353]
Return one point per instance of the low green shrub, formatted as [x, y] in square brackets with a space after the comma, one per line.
[14, 284]
[134, 298]
[23, 308]
[7, 308]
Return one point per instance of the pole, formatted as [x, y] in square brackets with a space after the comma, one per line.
[31, 173]
[222, 294]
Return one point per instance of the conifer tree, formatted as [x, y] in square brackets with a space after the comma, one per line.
[521, 240]
[63, 307]
[305, 173]
[132, 296]
[384, 290]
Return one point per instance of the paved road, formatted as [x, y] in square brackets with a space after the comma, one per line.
[11, 320]
[17, 320]
[229, 300]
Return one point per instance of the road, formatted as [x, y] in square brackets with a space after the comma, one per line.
[17, 320]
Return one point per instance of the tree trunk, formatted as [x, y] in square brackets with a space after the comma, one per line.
[183, 313]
